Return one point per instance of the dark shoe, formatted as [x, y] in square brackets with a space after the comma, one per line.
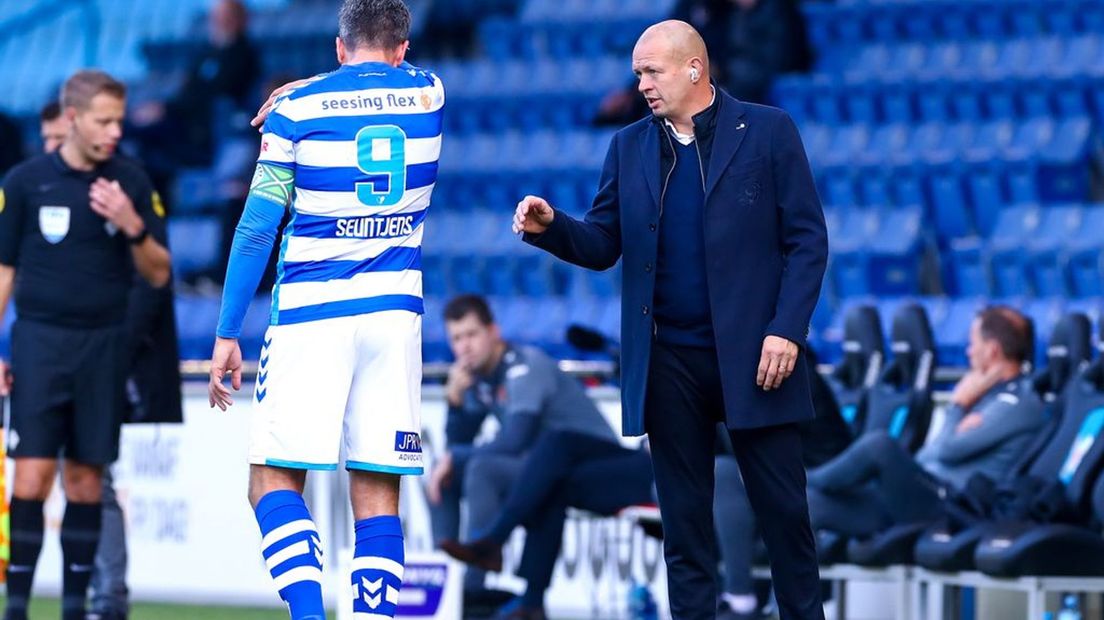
[483, 553]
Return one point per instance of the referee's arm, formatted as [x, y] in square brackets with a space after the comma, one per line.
[11, 222]
[151, 258]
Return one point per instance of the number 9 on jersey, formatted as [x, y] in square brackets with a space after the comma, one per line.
[381, 154]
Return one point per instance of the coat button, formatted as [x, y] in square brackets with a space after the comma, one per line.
[644, 310]
[651, 227]
[648, 268]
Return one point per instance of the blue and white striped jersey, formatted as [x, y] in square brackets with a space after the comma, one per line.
[362, 143]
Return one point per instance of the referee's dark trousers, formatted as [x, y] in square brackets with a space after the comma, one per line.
[682, 409]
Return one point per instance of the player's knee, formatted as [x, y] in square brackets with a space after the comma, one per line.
[33, 480]
[83, 483]
[479, 473]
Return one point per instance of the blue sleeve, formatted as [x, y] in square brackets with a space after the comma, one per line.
[249, 254]
[462, 425]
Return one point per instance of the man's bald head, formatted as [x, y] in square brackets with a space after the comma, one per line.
[678, 38]
[673, 66]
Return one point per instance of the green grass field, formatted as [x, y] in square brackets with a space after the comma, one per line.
[50, 609]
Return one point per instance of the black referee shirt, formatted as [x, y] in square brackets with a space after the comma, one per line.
[73, 267]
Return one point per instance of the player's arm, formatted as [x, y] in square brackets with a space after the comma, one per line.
[269, 196]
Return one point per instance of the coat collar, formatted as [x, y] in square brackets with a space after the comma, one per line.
[724, 114]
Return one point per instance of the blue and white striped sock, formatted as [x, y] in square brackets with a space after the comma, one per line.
[378, 560]
[292, 554]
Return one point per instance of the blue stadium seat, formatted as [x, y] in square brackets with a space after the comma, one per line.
[896, 253]
[969, 274]
[1085, 253]
[1021, 180]
[195, 244]
[951, 215]
[196, 318]
[1044, 249]
[1014, 228]
[953, 332]
[983, 184]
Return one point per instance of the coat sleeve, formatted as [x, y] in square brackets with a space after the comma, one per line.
[803, 236]
[595, 241]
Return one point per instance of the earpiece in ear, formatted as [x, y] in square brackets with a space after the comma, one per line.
[694, 75]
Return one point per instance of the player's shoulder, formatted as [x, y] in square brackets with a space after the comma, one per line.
[366, 76]
[529, 357]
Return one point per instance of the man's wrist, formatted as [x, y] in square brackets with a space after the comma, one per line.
[137, 238]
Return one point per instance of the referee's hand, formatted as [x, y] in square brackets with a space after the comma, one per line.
[227, 357]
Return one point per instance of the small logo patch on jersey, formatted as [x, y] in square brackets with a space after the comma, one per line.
[53, 222]
[158, 206]
[427, 103]
[407, 442]
[515, 372]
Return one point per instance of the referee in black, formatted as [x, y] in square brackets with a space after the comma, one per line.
[74, 225]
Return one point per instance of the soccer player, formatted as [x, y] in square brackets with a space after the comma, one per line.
[353, 154]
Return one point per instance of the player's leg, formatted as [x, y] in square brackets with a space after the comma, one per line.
[33, 478]
[382, 421]
[41, 405]
[99, 405]
[298, 406]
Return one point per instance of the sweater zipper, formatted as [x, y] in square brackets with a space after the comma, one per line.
[701, 166]
[667, 181]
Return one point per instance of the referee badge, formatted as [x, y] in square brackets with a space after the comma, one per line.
[54, 223]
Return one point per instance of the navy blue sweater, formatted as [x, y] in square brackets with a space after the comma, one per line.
[681, 298]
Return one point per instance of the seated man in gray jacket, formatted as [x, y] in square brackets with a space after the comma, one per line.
[992, 417]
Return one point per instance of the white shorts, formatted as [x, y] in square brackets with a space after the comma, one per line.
[359, 377]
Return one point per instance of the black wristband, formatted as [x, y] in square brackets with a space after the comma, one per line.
[139, 238]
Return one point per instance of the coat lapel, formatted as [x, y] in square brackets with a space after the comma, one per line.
[727, 136]
[649, 157]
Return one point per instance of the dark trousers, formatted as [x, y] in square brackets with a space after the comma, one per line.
[567, 469]
[683, 406]
[736, 527]
[872, 485]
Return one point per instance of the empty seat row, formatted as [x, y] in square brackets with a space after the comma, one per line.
[1052, 251]
[516, 151]
[508, 38]
[844, 23]
[1020, 57]
[588, 11]
[870, 100]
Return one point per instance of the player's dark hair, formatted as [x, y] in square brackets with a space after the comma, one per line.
[374, 24]
[50, 112]
[79, 90]
[1008, 328]
[461, 306]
